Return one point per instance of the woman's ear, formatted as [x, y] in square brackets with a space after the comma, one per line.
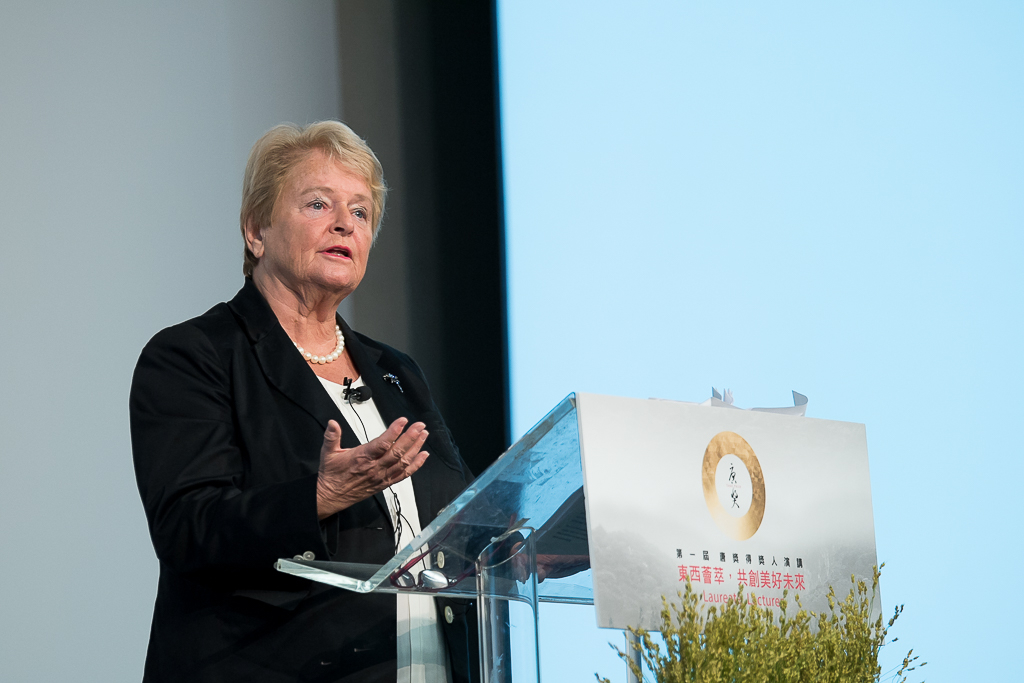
[254, 237]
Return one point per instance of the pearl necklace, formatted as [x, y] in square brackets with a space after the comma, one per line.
[329, 358]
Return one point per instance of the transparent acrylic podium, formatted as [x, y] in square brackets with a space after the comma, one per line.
[524, 515]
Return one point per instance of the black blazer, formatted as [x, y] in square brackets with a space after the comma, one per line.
[227, 422]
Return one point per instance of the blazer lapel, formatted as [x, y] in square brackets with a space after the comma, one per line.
[365, 359]
[281, 363]
[391, 404]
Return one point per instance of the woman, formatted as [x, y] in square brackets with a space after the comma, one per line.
[253, 440]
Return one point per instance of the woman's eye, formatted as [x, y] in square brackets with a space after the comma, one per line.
[360, 214]
[318, 206]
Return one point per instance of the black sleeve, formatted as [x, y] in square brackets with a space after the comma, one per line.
[191, 471]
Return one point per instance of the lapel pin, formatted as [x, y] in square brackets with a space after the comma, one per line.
[394, 380]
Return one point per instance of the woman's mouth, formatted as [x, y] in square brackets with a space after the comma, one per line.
[339, 251]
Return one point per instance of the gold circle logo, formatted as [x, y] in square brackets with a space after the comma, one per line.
[733, 485]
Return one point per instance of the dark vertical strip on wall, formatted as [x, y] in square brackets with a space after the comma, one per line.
[420, 82]
[472, 227]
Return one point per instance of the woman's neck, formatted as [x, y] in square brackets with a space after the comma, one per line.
[306, 314]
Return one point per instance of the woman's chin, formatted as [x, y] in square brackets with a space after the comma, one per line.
[340, 284]
[316, 285]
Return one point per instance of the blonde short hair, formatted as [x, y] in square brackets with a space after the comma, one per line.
[281, 148]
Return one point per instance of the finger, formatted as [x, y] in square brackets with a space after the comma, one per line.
[379, 447]
[332, 437]
[406, 465]
[407, 446]
[413, 438]
[401, 470]
[411, 441]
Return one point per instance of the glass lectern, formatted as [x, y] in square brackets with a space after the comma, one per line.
[515, 537]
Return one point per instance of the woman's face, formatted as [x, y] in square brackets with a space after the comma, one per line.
[320, 231]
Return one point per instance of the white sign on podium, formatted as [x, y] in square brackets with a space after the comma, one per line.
[723, 497]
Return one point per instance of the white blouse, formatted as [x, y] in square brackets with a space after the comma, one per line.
[422, 655]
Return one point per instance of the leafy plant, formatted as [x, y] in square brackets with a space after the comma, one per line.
[742, 642]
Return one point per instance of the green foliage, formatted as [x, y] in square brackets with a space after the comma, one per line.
[741, 642]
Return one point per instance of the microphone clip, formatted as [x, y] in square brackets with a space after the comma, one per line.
[357, 395]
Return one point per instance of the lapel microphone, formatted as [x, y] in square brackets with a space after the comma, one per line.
[358, 395]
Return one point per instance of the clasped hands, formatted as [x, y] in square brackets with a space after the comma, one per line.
[349, 475]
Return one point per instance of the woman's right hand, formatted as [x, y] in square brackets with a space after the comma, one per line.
[349, 475]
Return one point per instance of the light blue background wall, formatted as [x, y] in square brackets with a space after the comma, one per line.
[124, 130]
[824, 197]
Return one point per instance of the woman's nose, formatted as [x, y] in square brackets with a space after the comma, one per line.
[343, 223]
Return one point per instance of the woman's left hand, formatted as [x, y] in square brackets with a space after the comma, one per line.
[350, 475]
